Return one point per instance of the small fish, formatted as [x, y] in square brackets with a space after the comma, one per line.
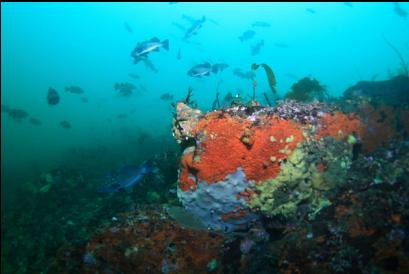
[35, 121]
[219, 67]
[122, 116]
[52, 97]
[142, 138]
[125, 89]
[74, 90]
[348, 4]
[84, 99]
[128, 27]
[17, 114]
[312, 11]
[193, 30]
[202, 70]
[245, 75]
[133, 75]
[261, 24]
[166, 97]
[65, 124]
[178, 56]
[247, 35]
[281, 45]
[150, 65]
[291, 76]
[127, 177]
[256, 49]
[399, 11]
[142, 49]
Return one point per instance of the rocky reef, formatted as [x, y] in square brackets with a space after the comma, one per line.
[245, 161]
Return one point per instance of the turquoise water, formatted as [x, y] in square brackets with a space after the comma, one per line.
[88, 45]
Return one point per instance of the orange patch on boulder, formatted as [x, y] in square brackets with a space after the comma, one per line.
[185, 181]
[227, 143]
[339, 126]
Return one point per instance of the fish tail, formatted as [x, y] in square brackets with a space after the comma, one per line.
[165, 44]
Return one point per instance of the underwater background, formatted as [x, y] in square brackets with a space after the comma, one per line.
[115, 109]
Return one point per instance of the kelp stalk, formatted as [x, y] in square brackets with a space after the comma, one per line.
[402, 60]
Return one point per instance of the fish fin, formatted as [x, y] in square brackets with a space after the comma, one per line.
[207, 74]
[207, 64]
[215, 68]
[136, 60]
[155, 39]
[165, 44]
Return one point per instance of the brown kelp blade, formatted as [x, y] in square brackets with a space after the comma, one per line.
[270, 75]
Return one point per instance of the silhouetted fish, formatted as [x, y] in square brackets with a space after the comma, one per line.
[260, 24]
[219, 67]
[245, 75]
[281, 45]
[122, 116]
[125, 89]
[194, 28]
[291, 75]
[52, 97]
[127, 177]
[17, 114]
[247, 35]
[312, 11]
[166, 97]
[256, 49]
[399, 11]
[35, 121]
[74, 89]
[84, 99]
[128, 27]
[133, 75]
[65, 124]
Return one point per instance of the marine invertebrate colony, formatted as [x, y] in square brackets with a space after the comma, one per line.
[250, 160]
